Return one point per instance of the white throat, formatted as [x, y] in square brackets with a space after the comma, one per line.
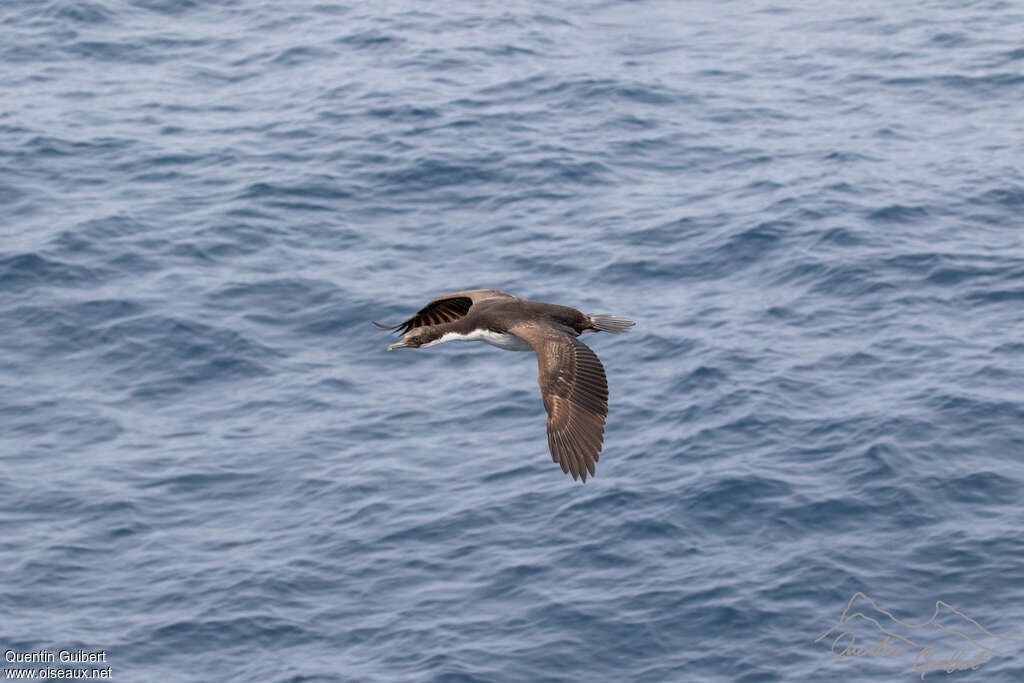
[502, 340]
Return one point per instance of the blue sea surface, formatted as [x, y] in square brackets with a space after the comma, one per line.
[210, 469]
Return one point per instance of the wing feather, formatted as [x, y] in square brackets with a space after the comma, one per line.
[575, 393]
[445, 308]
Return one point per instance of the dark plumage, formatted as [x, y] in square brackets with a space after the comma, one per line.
[572, 380]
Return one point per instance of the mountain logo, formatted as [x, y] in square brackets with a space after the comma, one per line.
[949, 641]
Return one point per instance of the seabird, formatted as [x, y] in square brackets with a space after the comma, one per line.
[572, 380]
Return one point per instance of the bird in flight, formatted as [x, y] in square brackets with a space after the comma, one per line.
[572, 380]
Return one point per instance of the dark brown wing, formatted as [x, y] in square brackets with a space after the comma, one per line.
[445, 309]
[575, 393]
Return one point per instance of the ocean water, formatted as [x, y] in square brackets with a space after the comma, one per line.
[210, 469]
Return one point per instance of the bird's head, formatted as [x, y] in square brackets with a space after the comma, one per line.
[415, 338]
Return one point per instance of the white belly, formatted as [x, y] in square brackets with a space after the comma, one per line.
[502, 340]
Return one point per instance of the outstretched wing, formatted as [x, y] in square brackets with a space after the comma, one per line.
[445, 309]
[575, 393]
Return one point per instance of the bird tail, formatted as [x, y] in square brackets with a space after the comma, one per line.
[615, 324]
